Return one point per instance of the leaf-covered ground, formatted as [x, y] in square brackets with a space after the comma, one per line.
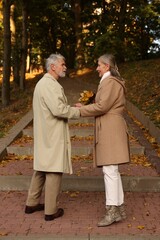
[143, 86]
[21, 102]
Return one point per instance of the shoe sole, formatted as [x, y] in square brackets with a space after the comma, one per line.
[116, 220]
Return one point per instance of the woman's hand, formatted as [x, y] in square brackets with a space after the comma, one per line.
[78, 105]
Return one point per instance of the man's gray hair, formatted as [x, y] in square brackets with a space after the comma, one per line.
[53, 59]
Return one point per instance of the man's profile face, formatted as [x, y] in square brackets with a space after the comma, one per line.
[60, 68]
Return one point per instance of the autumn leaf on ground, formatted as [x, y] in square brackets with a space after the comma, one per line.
[89, 228]
[140, 160]
[82, 138]
[79, 124]
[3, 233]
[24, 139]
[141, 227]
[143, 86]
[74, 194]
[132, 138]
[82, 157]
[151, 139]
[78, 173]
[14, 158]
[19, 173]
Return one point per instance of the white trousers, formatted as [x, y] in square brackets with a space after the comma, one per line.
[113, 185]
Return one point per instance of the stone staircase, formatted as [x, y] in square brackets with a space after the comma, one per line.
[135, 178]
[81, 132]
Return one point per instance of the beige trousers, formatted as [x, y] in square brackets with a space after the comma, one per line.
[52, 183]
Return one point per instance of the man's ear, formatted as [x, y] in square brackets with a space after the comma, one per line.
[52, 67]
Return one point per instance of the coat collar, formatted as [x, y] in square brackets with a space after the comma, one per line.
[122, 83]
[48, 75]
[105, 75]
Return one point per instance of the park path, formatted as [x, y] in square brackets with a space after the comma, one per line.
[82, 195]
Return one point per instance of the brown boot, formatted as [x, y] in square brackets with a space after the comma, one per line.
[122, 211]
[112, 215]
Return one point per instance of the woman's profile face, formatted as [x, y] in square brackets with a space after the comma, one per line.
[102, 68]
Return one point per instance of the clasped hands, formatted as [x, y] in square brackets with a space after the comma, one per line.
[78, 105]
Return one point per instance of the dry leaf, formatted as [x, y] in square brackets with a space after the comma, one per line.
[3, 233]
[140, 227]
[74, 194]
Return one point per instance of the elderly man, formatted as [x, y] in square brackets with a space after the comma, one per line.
[52, 147]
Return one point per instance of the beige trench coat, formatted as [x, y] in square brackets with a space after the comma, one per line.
[111, 134]
[52, 147]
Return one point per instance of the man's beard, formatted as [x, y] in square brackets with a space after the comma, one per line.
[62, 74]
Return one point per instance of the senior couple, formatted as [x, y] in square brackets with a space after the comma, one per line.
[52, 147]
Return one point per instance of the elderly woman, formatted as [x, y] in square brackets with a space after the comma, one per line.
[111, 137]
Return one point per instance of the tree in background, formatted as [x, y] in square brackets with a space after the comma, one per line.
[6, 53]
[15, 41]
[78, 29]
[130, 29]
[79, 47]
[24, 48]
[1, 34]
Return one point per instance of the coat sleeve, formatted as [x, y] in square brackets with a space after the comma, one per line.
[106, 97]
[54, 99]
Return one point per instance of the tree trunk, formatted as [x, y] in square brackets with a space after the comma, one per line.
[24, 44]
[6, 54]
[80, 60]
[15, 49]
[121, 30]
[28, 61]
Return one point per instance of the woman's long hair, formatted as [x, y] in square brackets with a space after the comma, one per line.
[110, 60]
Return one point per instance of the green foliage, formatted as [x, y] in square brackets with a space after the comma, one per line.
[129, 31]
[107, 43]
[51, 28]
[134, 36]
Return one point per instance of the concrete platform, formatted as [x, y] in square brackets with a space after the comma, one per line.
[82, 211]
[81, 183]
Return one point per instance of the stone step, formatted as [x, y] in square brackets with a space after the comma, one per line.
[74, 183]
[77, 149]
[79, 128]
[86, 131]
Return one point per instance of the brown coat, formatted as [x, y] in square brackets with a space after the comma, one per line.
[111, 134]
